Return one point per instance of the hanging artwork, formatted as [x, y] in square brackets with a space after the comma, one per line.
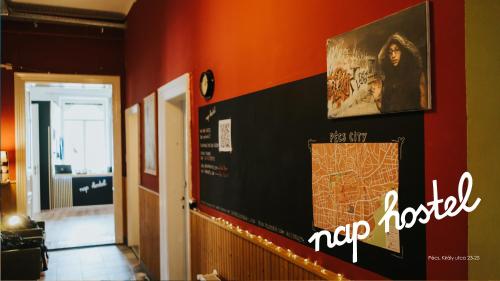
[150, 134]
[382, 67]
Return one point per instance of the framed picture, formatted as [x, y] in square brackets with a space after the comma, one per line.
[150, 134]
[382, 67]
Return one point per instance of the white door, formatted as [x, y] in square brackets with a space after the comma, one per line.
[35, 161]
[173, 168]
[132, 135]
[175, 190]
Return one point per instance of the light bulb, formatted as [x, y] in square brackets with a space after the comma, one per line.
[14, 221]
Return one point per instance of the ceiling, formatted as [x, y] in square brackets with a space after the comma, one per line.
[103, 13]
[115, 6]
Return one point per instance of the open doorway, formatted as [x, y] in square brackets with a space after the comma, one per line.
[71, 156]
[70, 169]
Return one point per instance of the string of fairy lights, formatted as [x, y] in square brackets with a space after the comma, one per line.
[268, 244]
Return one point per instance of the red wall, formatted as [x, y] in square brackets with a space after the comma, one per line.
[149, 56]
[54, 49]
[253, 45]
[7, 120]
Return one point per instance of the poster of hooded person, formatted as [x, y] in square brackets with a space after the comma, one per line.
[382, 67]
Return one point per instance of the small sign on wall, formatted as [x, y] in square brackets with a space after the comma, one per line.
[225, 135]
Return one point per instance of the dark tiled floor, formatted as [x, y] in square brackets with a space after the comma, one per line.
[97, 263]
[78, 226]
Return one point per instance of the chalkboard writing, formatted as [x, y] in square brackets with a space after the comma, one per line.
[265, 179]
[92, 190]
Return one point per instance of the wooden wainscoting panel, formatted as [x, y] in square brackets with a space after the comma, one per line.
[239, 255]
[149, 225]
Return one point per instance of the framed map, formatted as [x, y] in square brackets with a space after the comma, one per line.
[349, 183]
[150, 134]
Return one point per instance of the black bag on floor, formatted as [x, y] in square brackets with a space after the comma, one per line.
[26, 234]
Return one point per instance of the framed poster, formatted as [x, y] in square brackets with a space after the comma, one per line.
[382, 67]
[150, 134]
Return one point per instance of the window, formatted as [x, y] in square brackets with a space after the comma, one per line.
[86, 138]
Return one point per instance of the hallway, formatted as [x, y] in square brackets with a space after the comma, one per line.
[249, 140]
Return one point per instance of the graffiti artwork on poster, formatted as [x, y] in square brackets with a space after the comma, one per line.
[382, 67]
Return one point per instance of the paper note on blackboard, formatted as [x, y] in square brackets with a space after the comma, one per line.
[225, 135]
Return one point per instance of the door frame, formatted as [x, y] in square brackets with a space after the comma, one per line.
[177, 89]
[129, 112]
[20, 100]
[35, 160]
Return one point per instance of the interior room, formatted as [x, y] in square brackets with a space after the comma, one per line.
[249, 140]
[71, 159]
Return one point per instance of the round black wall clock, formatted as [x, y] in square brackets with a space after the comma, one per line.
[207, 83]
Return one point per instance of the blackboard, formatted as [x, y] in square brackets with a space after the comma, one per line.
[92, 191]
[265, 177]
